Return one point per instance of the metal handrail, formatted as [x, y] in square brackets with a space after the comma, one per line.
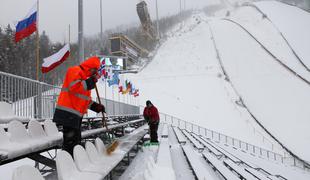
[218, 137]
[34, 99]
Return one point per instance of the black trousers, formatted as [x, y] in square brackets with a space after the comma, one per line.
[153, 131]
[71, 137]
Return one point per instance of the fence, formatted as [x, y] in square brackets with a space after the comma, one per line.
[284, 158]
[34, 99]
[119, 108]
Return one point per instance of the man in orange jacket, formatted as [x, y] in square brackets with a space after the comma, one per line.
[75, 99]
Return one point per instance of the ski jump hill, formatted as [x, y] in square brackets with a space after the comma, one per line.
[233, 94]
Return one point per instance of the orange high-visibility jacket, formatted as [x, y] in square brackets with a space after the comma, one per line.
[74, 97]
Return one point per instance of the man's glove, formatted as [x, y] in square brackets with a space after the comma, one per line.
[90, 82]
[97, 107]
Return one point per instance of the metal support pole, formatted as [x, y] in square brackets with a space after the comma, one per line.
[80, 30]
[101, 30]
[39, 105]
[180, 6]
[37, 45]
[128, 156]
[157, 21]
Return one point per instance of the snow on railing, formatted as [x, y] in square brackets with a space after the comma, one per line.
[284, 158]
[35, 99]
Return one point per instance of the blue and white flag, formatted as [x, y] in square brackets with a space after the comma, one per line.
[115, 79]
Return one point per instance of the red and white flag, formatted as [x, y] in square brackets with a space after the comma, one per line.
[56, 59]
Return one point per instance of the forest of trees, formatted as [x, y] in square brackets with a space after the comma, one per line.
[20, 58]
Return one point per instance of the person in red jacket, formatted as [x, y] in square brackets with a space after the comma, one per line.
[75, 99]
[151, 115]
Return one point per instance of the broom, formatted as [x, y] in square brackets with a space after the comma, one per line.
[111, 148]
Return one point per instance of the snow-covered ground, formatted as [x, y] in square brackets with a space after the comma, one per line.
[282, 107]
[185, 80]
[293, 23]
[276, 97]
[266, 33]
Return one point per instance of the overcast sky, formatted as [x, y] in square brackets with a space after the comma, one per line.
[56, 15]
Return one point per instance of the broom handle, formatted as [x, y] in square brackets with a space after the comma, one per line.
[104, 123]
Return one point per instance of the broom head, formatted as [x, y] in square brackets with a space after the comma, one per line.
[111, 148]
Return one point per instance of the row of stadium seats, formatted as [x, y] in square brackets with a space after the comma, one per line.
[90, 162]
[19, 141]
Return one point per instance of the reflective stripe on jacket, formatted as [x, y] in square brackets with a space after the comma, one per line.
[75, 97]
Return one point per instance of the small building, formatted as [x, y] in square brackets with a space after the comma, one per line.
[121, 45]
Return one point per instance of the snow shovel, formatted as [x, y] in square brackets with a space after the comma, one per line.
[111, 148]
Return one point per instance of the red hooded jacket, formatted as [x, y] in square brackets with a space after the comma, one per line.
[151, 113]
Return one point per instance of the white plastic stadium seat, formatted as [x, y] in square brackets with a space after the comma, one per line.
[100, 147]
[66, 169]
[19, 134]
[83, 163]
[93, 154]
[36, 131]
[26, 172]
[7, 114]
[52, 131]
[11, 149]
[101, 151]
[3, 155]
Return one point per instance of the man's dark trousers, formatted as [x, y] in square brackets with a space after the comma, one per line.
[153, 129]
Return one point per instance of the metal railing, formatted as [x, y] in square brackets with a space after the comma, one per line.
[217, 137]
[119, 108]
[35, 99]
[29, 98]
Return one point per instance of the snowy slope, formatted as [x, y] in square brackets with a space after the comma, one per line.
[185, 80]
[293, 22]
[266, 33]
[277, 98]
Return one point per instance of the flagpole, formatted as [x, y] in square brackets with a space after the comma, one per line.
[37, 42]
[119, 103]
[69, 41]
[113, 99]
[105, 93]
